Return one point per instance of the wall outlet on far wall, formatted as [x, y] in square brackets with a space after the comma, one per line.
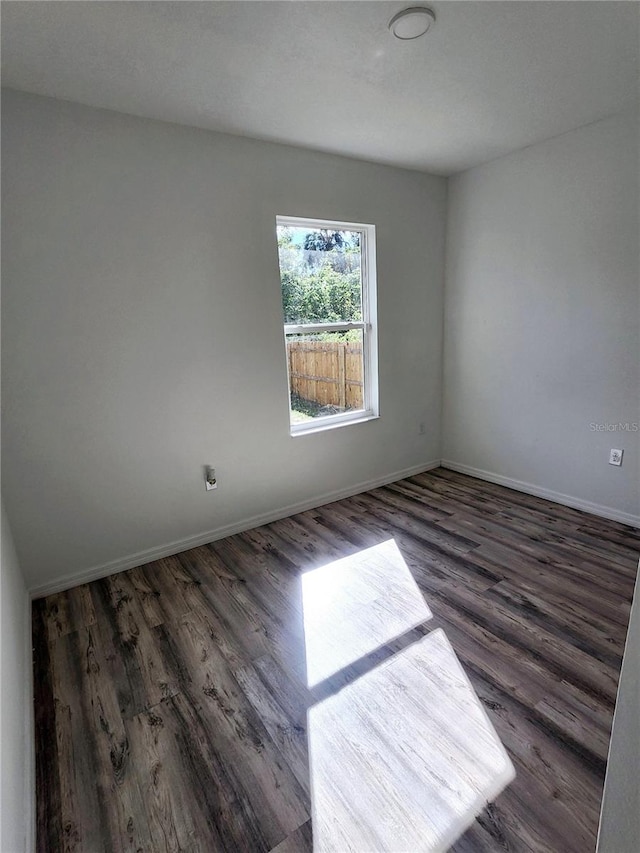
[615, 457]
[421, 429]
[210, 478]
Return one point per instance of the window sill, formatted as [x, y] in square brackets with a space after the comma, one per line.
[307, 427]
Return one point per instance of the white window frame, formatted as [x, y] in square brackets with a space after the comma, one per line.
[368, 324]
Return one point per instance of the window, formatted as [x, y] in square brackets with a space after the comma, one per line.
[327, 272]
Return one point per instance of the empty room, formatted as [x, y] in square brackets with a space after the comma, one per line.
[320, 427]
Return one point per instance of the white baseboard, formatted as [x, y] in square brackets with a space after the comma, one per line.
[548, 494]
[170, 548]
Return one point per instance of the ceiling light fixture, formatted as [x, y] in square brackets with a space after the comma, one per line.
[412, 23]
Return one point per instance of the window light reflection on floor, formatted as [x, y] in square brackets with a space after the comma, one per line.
[403, 758]
[354, 605]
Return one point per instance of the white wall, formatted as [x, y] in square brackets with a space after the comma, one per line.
[142, 330]
[620, 818]
[542, 315]
[16, 721]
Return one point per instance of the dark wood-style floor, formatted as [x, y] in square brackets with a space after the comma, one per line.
[171, 699]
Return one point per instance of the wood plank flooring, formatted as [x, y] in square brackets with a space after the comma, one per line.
[172, 700]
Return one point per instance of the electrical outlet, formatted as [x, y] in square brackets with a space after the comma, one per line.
[615, 457]
[421, 429]
[210, 478]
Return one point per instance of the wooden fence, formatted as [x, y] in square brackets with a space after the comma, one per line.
[327, 372]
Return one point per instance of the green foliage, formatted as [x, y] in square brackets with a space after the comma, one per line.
[285, 236]
[321, 296]
[324, 240]
[353, 336]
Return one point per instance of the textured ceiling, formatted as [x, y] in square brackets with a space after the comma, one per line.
[490, 78]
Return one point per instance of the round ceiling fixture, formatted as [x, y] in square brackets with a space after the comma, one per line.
[412, 23]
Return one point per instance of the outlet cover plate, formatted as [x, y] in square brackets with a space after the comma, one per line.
[210, 481]
[615, 456]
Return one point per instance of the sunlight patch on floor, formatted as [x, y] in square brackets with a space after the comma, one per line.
[355, 605]
[403, 758]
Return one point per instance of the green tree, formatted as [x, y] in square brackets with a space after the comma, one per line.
[324, 240]
[321, 296]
